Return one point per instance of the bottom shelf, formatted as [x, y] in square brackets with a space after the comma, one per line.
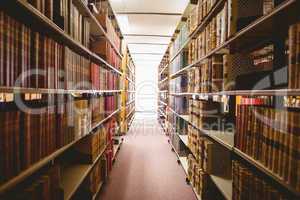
[224, 185]
[73, 176]
[184, 165]
[117, 148]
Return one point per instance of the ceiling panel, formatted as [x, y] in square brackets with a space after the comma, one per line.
[142, 48]
[137, 28]
[162, 6]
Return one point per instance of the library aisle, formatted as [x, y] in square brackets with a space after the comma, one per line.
[146, 167]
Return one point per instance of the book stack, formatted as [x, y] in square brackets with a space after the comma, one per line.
[77, 70]
[111, 104]
[179, 84]
[89, 148]
[268, 6]
[263, 58]
[67, 16]
[83, 118]
[201, 181]
[94, 180]
[110, 128]
[191, 76]
[102, 16]
[193, 140]
[248, 185]
[28, 136]
[98, 109]
[293, 58]
[34, 60]
[270, 136]
[179, 104]
[212, 36]
[46, 185]
[203, 113]
[105, 50]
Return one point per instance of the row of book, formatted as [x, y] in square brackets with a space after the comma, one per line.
[105, 50]
[179, 62]
[179, 84]
[199, 13]
[30, 135]
[102, 15]
[207, 154]
[180, 40]
[294, 58]
[67, 16]
[201, 181]
[103, 79]
[90, 147]
[179, 104]
[33, 60]
[248, 185]
[208, 76]
[93, 181]
[270, 136]
[46, 185]
[203, 114]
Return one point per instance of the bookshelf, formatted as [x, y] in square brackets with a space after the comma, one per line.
[225, 57]
[128, 96]
[70, 146]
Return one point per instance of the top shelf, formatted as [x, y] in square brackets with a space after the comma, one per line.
[96, 28]
[275, 92]
[39, 20]
[258, 32]
[216, 8]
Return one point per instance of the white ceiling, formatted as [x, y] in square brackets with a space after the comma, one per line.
[144, 22]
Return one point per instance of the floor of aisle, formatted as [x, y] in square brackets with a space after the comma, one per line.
[145, 167]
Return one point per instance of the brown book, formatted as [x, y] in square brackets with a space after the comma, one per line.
[292, 56]
[2, 48]
[287, 145]
[49, 9]
[276, 144]
[293, 151]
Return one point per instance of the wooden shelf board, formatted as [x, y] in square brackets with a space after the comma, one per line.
[224, 185]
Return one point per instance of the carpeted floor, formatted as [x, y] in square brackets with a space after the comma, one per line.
[146, 168]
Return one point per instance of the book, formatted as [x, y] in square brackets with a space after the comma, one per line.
[268, 135]
[293, 56]
[248, 184]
